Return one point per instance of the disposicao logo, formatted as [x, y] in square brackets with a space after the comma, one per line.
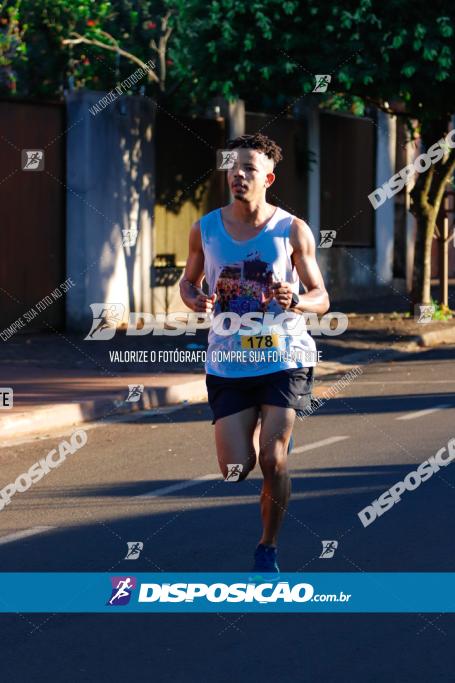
[222, 592]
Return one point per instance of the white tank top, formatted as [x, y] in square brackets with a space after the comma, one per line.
[240, 274]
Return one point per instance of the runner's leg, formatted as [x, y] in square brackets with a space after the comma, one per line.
[257, 432]
[234, 440]
[276, 429]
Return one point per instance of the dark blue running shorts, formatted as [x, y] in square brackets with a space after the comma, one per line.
[285, 388]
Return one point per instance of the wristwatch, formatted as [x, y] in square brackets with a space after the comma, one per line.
[295, 300]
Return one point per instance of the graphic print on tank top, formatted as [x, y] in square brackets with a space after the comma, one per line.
[244, 286]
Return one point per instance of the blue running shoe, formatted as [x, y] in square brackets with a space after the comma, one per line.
[291, 444]
[265, 559]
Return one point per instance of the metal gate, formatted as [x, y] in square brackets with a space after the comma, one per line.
[32, 211]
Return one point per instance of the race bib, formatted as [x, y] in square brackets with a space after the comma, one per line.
[260, 341]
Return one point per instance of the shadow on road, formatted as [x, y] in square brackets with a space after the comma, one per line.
[213, 525]
[346, 405]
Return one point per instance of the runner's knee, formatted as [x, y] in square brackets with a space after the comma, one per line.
[273, 460]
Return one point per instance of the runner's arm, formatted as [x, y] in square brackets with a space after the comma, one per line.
[190, 284]
[316, 299]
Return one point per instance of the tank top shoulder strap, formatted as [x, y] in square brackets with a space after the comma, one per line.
[209, 224]
[282, 220]
[282, 228]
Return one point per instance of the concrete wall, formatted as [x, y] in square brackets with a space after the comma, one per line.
[348, 271]
[314, 186]
[384, 224]
[110, 188]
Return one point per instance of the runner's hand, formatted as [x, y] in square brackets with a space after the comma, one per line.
[282, 292]
[203, 303]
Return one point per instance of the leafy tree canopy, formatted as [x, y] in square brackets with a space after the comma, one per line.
[48, 67]
[397, 54]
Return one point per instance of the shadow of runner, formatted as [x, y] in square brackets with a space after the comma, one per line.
[201, 530]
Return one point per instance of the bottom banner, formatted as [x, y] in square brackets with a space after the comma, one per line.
[227, 592]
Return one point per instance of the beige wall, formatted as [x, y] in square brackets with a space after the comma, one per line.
[171, 237]
[188, 186]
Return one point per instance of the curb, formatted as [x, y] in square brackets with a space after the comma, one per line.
[413, 345]
[57, 415]
[437, 337]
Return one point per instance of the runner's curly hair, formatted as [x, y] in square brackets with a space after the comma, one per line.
[259, 142]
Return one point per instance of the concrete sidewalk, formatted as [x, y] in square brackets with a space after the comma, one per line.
[50, 399]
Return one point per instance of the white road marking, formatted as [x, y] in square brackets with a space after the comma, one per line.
[319, 444]
[210, 477]
[422, 413]
[10, 538]
[178, 487]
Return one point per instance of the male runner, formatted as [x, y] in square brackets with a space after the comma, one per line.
[253, 256]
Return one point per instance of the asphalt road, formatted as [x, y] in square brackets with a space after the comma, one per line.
[80, 517]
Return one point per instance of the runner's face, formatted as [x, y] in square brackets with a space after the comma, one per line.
[251, 175]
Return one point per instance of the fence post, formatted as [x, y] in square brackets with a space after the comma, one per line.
[234, 115]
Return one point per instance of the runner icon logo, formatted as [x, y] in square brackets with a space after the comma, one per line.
[32, 159]
[225, 159]
[234, 472]
[322, 82]
[129, 237]
[135, 392]
[134, 550]
[106, 318]
[328, 549]
[327, 237]
[424, 314]
[122, 587]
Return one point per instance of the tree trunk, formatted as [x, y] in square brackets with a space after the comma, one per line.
[426, 198]
[422, 257]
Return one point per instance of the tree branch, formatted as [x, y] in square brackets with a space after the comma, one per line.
[78, 39]
[165, 35]
[420, 191]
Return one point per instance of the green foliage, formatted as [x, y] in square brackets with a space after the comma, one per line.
[265, 51]
[441, 312]
[47, 67]
[389, 52]
[13, 49]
